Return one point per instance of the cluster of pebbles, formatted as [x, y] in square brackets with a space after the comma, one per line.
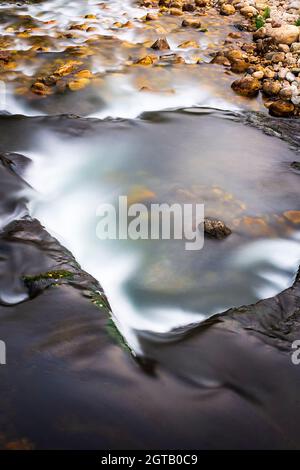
[269, 63]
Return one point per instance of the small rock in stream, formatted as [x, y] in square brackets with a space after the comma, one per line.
[246, 86]
[295, 166]
[160, 45]
[215, 228]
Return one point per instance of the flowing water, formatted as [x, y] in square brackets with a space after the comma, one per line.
[157, 285]
[158, 158]
[43, 35]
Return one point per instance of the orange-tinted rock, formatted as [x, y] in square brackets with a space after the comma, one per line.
[246, 86]
[282, 108]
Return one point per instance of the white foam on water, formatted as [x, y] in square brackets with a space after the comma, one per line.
[279, 253]
[124, 101]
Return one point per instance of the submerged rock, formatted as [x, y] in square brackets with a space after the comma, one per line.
[160, 45]
[191, 23]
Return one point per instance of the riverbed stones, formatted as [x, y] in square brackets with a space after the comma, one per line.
[221, 60]
[259, 74]
[295, 47]
[239, 66]
[292, 216]
[160, 44]
[271, 88]
[286, 93]
[227, 9]
[282, 108]
[247, 86]
[249, 11]
[191, 23]
[286, 34]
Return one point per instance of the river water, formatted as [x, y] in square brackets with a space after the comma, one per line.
[172, 132]
[198, 153]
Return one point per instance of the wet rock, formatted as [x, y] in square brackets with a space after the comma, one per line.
[295, 47]
[259, 74]
[286, 93]
[175, 12]
[235, 54]
[277, 57]
[295, 166]
[292, 216]
[160, 45]
[282, 108]
[260, 33]
[5, 56]
[239, 66]
[78, 84]
[188, 45]
[214, 228]
[147, 60]
[271, 88]
[283, 48]
[269, 73]
[248, 11]
[188, 7]
[290, 77]
[286, 34]
[221, 60]
[296, 100]
[151, 17]
[191, 23]
[202, 3]
[41, 89]
[246, 86]
[227, 9]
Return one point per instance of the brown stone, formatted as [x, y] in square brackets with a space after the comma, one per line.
[282, 108]
[293, 216]
[160, 45]
[227, 9]
[188, 7]
[201, 3]
[271, 88]
[191, 23]
[239, 66]
[214, 228]
[221, 60]
[246, 86]
[234, 54]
